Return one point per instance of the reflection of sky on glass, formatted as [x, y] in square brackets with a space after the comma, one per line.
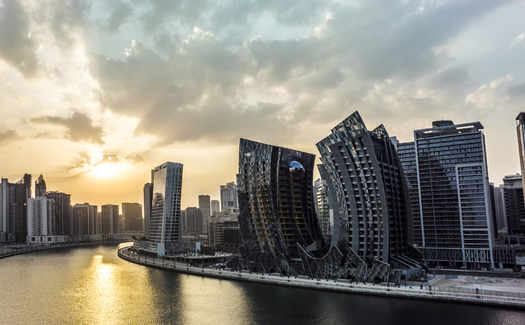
[295, 165]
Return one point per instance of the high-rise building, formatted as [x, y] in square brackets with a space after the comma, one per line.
[109, 219]
[4, 205]
[204, 206]
[229, 196]
[165, 227]
[40, 216]
[13, 207]
[446, 170]
[499, 207]
[514, 204]
[215, 207]
[277, 218]
[63, 217]
[132, 214]
[364, 176]
[520, 130]
[322, 208]
[148, 197]
[40, 187]
[193, 220]
[84, 219]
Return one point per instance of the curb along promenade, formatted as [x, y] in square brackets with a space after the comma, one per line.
[327, 285]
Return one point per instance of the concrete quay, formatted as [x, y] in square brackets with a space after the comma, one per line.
[428, 293]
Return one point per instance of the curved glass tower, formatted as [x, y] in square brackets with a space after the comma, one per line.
[277, 215]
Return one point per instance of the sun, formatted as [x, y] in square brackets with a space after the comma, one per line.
[104, 170]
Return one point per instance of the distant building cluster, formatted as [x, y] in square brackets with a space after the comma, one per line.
[49, 217]
[171, 230]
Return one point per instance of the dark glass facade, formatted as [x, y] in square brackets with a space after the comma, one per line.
[514, 204]
[368, 192]
[277, 217]
[447, 177]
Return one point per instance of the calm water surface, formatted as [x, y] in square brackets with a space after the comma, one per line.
[91, 285]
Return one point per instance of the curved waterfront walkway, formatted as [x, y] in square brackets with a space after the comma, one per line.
[33, 248]
[323, 284]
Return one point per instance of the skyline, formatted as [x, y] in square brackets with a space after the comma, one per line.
[95, 94]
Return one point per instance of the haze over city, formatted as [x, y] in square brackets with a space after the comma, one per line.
[94, 94]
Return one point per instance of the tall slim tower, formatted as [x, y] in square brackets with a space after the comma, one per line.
[215, 207]
[520, 129]
[165, 227]
[205, 207]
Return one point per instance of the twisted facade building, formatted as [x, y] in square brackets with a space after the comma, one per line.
[369, 198]
[277, 216]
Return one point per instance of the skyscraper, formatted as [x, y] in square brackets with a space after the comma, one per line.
[148, 197]
[194, 220]
[63, 216]
[84, 219]
[165, 227]
[446, 168]
[520, 130]
[229, 196]
[109, 219]
[215, 207]
[204, 206]
[13, 207]
[322, 208]
[277, 218]
[40, 216]
[514, 204]
[132, 214]
[364, 176]
[40, 187]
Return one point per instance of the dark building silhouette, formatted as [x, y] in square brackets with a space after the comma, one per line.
[13, 207]
[109, 219]
[369, 195]
[40, 187]
[277, 217]
[132, 214]
[63, 212]
[514, 204]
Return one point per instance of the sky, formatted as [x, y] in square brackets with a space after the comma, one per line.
[94, 94]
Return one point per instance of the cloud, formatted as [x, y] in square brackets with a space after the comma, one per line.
[79, 127]
[383, 57]
[66, 18]
[17, 47]
[518, 39]
[119, 15]
[9, 137]
[88, 162]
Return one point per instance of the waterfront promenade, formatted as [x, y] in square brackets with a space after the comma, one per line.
[12, 250]
[428, 292]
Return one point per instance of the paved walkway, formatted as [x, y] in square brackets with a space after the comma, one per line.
[330, 285]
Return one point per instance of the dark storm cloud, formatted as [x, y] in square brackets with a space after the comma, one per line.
[79, 127]
[9, 137]
[17, 48]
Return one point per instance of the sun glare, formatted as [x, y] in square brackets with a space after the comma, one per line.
[104, 170]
